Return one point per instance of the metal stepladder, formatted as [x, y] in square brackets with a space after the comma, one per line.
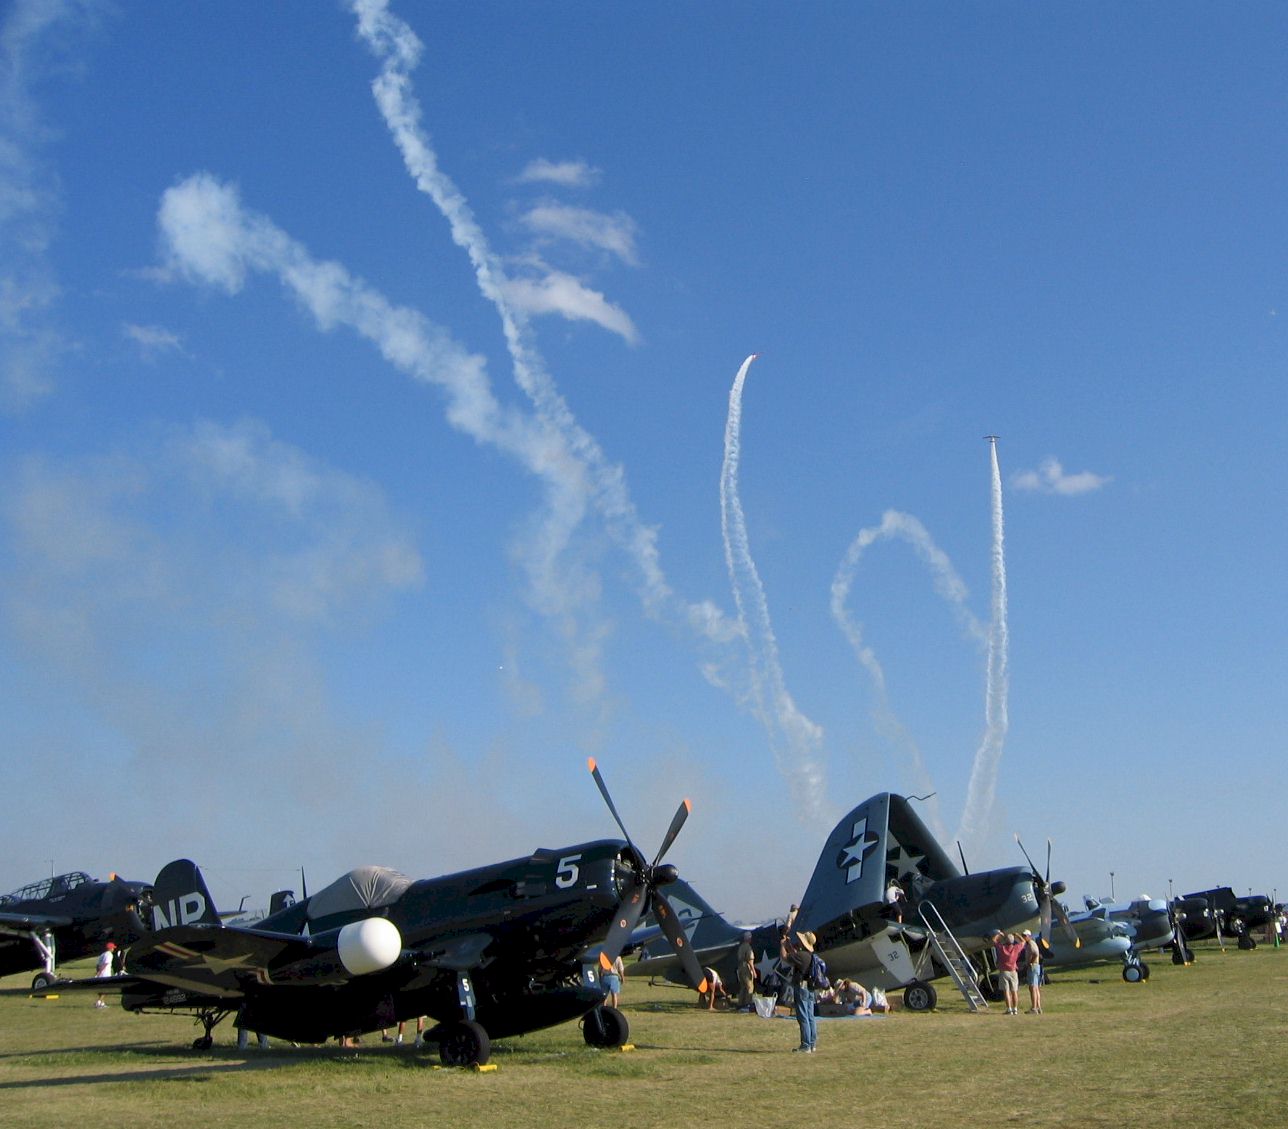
[951, 956]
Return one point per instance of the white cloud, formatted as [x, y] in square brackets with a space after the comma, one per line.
[566, 174]
[614, 234]
[559, 293]
[1050, 478]
[152, 339]
[30, 345]
[219, 519]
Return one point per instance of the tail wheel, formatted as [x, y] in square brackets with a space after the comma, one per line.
[605, 1027]
[464, 1044]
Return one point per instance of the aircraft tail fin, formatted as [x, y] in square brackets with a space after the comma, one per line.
[705, 927]
[880, 841]
[180, 897]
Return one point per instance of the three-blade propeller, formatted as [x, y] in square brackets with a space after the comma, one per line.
[645, 890]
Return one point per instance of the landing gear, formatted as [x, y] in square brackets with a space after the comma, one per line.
[605, 1027]
[43, 980]
[209, 1020]
[920, 996]
[1136, 972]
[464, 1044]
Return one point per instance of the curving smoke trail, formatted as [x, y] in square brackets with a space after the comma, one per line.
[983, 778]
[794, 738]
[398, 49]
[947, 583]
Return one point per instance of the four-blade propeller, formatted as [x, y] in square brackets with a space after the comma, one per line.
[645, 889]
[1047, 905]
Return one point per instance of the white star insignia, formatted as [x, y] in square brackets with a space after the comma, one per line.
[856, 850]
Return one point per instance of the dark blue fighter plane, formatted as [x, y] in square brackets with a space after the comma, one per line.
[500, 950]
[66, 917]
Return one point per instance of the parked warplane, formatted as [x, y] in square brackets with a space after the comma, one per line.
[496, 951]
[68, 916]
[1116, 933]
[1232, 914]
[881, 840]
[1099, 939]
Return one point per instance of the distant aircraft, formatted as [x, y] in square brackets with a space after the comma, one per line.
[66, 917]
[1121, 932]
[1230, 914]
[1099, 940]
[947, 916]
[501, 950]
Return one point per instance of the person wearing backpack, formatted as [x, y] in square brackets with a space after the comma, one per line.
[798, 956]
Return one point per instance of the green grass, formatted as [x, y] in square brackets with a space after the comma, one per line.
[1204, 1044]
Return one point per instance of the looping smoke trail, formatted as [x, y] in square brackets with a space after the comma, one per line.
[794, 738]
[947, 583]
[983, 778]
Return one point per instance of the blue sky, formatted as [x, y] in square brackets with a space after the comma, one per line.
[368, 458]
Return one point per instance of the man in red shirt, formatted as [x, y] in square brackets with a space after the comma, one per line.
[1007, 948]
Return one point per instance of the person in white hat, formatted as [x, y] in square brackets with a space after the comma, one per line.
[1033, 957]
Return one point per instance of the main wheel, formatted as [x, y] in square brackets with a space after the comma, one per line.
[920, 996]
[1133, 973]
[605, 1027]
[203, 1044]
[464, 1044]
[42, 980]
[991, 988]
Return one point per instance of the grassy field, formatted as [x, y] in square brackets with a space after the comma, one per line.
[1206, 1044]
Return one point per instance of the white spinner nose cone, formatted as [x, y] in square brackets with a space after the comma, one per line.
[369, 946]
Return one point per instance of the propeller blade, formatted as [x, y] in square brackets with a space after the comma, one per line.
[1048, 869]
[679, 942]
[1045, 915]
[965, 868]
[603, 791]
[1036, 873]
[681, 814]
[628, 916]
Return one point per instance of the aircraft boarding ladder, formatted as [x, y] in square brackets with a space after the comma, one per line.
[952, 957]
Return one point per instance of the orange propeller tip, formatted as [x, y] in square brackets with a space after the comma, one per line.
[703, 986]
[604, 962]
[590, 763]
[688, 805]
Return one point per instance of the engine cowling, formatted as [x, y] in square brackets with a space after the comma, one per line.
[370, 945]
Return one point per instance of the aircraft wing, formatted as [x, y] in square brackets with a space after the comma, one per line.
[22, 923]
[225, 960]
[103, 985]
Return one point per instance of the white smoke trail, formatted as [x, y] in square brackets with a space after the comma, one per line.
[983, 778]
[397, 47]
[947, 583]
[795, 739]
